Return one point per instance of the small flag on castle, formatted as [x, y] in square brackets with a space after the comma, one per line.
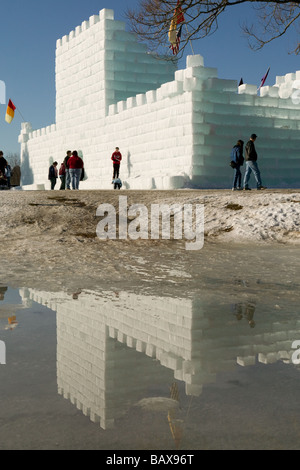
[264, 78]
[174, 35]
[10, 112]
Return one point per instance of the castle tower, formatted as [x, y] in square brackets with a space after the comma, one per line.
[98, 64]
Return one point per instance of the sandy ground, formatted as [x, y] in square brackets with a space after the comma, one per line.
[54, 232]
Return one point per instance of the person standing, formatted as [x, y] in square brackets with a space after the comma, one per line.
[67, 175]
[116, 158]
[75, 165]
[238, 159]
[52, 176]
[62, 176]
[251, 164]
[8, 175]
[3, 163]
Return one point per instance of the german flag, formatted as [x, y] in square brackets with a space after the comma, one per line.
[10, 112]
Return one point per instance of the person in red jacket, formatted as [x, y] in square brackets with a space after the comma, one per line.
[75, 165]
[62, 176]
[116, 158]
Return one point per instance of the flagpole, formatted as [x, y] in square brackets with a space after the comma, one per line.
[189, 39]
[24, 120]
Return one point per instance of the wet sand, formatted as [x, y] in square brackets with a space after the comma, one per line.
[47, 234]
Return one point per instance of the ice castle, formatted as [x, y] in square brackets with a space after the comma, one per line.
[111, 349]
[175, 128]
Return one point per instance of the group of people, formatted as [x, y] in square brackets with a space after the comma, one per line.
[70, 173]
[237, 160]
[71, 170]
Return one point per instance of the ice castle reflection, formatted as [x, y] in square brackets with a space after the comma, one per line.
[109, 345]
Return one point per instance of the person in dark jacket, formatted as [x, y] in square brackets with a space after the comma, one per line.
[52, 176]
[251, 164]
[8, 174]
[3, 162]
[67, 176]
[3, 165]
[238, 159]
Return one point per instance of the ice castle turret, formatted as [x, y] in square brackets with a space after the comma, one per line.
[175, 128]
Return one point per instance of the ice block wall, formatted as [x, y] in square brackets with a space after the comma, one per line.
[224, 113]
[175, 128]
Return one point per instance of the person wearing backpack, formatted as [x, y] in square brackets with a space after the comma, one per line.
[52, 175]
[236, 162]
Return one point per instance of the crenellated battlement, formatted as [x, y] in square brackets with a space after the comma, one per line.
[104, 14]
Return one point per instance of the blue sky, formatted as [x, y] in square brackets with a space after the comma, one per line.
[29, 30]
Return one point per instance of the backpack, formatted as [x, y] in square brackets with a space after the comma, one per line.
[240, 158]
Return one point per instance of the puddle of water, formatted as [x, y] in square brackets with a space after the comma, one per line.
[210, 368]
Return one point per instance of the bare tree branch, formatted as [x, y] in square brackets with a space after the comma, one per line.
[151, 22]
